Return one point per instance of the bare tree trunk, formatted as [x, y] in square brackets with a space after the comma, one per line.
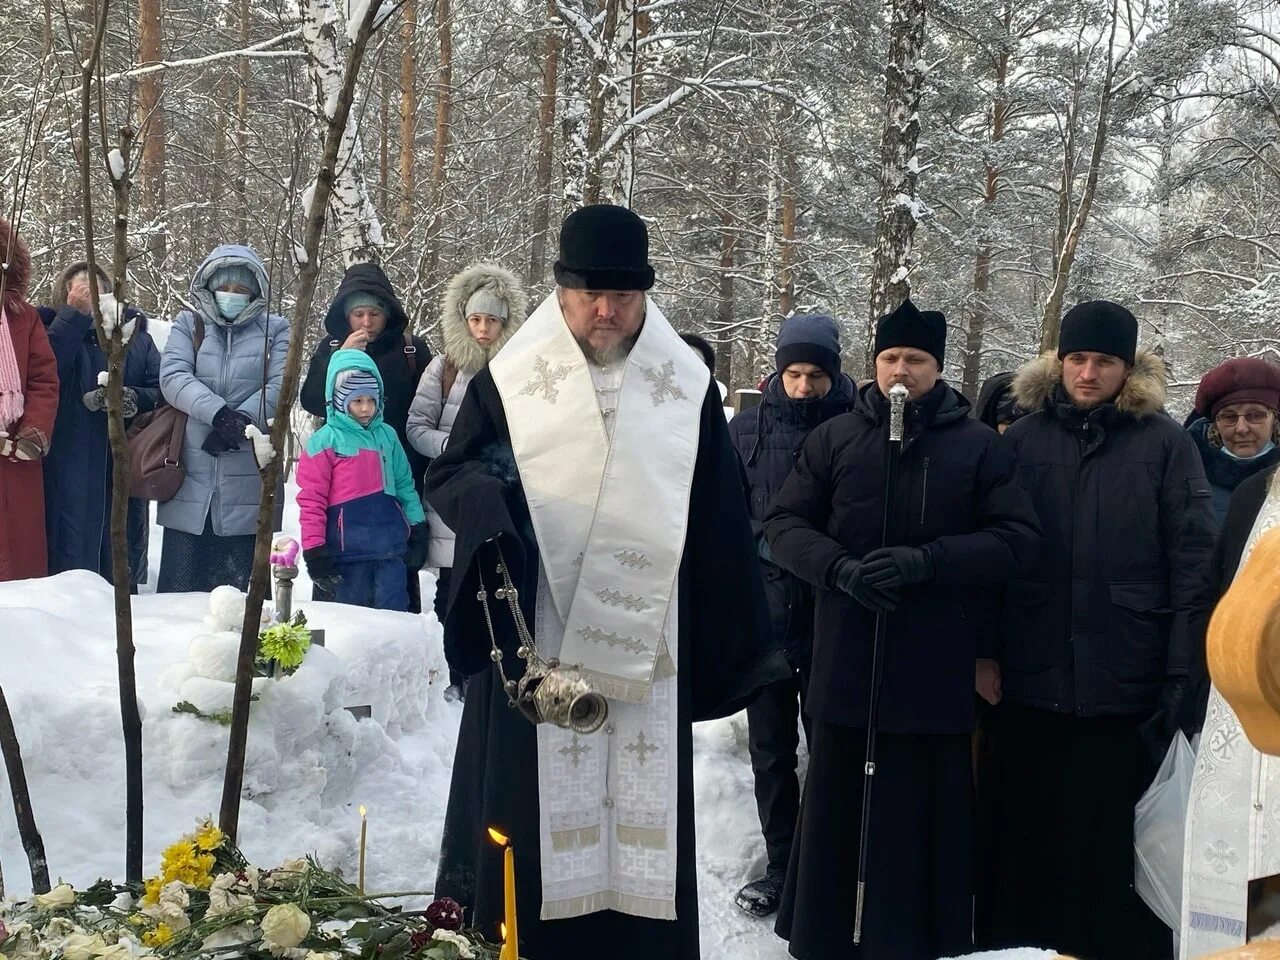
[408, 114]
[242, 126]
[991, 190]
[724, 306]
[444, 102]
[151, 124]
[546, 147]
[599, 92]
[114, 341]
[786, 282]
[338, 131]
[1052, 321]
[904, 82]
[384, 140]
[27, 830]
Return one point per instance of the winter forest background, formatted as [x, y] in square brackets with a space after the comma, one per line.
[1003, 158]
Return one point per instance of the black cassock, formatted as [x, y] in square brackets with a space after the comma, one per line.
[723, 656]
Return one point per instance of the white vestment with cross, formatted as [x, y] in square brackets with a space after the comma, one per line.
[606, 457]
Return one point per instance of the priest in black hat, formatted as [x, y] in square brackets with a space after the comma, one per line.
[601, 522]
[958, 526]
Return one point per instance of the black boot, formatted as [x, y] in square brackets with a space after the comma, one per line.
[760, 898]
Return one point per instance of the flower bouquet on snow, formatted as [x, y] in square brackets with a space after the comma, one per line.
[208, 902]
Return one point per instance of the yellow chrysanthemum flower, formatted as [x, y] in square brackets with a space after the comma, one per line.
[161, 935]
[151, 890]
[208, 837]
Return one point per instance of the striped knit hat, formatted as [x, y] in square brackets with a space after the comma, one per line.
[354, 383]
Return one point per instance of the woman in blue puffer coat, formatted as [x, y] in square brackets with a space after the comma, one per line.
[77, 471]
[223, 366]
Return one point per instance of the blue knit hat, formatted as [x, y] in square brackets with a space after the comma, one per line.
[362, 299]
[809, 338]
[351, 384]
[238, 274]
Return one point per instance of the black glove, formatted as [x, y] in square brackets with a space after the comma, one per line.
[1158, 732]
[897, 567]
[320, 568]
[95, 399]
[214, 444]
[130, 403]
[415, 554]
[230, 425]
[847, 577]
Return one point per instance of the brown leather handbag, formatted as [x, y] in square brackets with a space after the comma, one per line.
[156, 470]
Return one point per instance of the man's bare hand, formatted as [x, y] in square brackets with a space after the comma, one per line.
[987, 680]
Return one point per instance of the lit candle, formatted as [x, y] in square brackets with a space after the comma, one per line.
[510, 937]
[364, 837]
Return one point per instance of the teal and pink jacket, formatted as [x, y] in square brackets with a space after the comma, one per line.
[356, 495]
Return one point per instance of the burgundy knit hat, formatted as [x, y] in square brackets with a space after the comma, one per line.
[1239, 380]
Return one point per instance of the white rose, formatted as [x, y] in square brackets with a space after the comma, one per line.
[457, 939]
[222, 901]
[81, 946]
[285, 925]
[59, 898]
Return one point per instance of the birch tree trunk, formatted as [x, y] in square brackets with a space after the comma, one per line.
[725, 304]
[546, 148]
[900, 210]
[359, 232]
[242, 127]
[321, 17]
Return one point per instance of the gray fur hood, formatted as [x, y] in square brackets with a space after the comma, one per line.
[1142, 395]
[465, 354]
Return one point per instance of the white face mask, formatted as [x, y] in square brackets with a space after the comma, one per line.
[231, 305]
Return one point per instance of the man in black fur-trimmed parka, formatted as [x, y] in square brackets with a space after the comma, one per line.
[1096, 638]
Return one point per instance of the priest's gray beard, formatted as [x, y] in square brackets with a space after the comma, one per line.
[606, 358]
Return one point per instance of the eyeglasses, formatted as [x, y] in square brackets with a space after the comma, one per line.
[1253, 418]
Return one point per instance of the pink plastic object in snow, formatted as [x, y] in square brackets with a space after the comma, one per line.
[284, 551]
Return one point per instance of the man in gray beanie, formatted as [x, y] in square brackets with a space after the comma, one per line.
[806, 389]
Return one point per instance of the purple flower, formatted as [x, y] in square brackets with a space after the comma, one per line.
[445, 913]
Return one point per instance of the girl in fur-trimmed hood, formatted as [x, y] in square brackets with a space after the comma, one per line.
[484, 306]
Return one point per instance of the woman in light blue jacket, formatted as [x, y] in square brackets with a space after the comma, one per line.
[223, 366]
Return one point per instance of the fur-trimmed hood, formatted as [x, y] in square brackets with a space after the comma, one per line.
[1142, 395]
[465, 354]
[15, 263]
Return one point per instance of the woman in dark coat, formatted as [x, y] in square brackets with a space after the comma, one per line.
[77, 472]
[28, 406]
[1236, 430]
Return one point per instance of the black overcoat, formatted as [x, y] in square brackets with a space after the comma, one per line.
[724, 657]
[958, 495]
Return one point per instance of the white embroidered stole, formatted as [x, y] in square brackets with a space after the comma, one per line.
[1233, 816]
[608, 801]
[610, 518]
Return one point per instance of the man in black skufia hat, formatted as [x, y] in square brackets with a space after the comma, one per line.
[959, 525]
[1096, 641]
[643, 575]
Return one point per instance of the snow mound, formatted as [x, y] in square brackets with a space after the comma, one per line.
[310, 761]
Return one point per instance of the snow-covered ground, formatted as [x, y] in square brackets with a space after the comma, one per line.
[311, 763]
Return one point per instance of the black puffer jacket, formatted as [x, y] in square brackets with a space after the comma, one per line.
[1223, 471]
[768, 440]
[958, 496]
[1118, 600]
[401, 361]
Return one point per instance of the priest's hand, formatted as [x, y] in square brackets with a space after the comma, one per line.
[847, 576]
[321, 569]
[897, 567]
[987, 680]
[415, 555]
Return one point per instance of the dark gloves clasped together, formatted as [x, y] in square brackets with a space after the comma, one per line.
[877, 579]
[228, 430]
